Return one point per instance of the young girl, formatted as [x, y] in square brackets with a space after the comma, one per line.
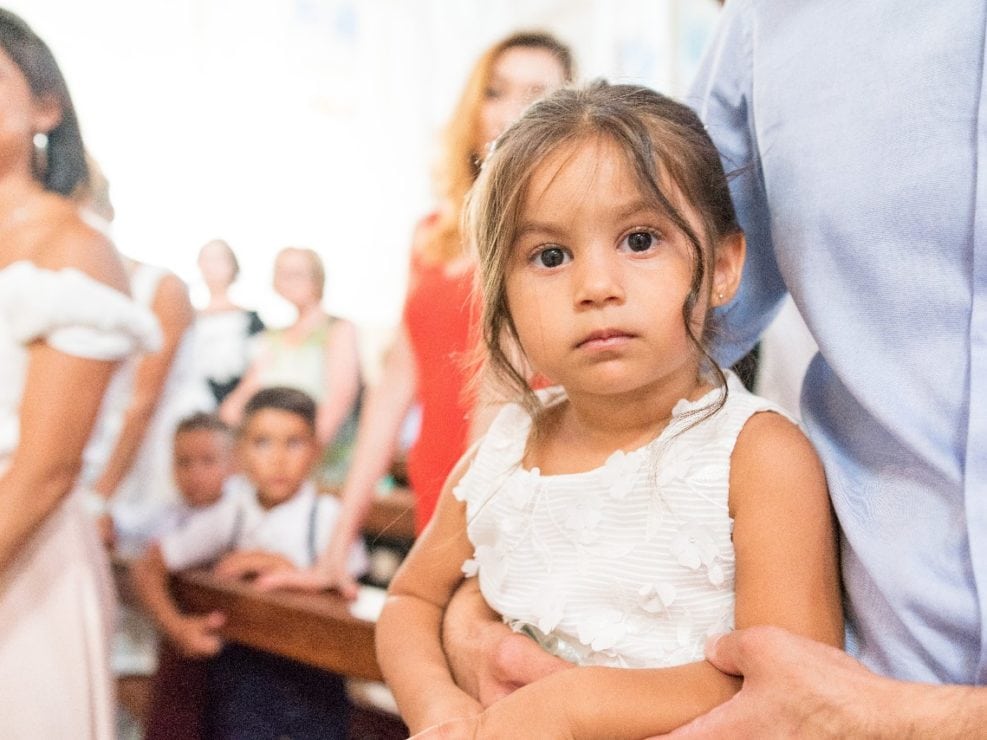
[645, 502]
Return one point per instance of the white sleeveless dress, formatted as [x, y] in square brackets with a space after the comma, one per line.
[627, 565]
[56, 596]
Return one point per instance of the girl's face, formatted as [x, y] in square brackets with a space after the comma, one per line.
[294, 278]
[520, 76]
[216, 266]
[598, 277]
[21, 114]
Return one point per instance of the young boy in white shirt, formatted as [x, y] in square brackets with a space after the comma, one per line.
[274, 520]
[202, 463]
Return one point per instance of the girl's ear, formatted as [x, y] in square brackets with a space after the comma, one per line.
[728, 268]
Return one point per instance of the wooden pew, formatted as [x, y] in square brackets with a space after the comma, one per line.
[317, 629]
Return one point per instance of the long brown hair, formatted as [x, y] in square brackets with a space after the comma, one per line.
[459, 163]
[663, 141]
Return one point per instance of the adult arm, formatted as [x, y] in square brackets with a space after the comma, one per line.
[175, 314]
[722, 96]
[796, 686]
[387, 406]
[342, 380]
[61, 399]
[408, 635]
[62, 395]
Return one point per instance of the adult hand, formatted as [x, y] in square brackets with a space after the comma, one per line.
[488, 661]
[320, 577]
[461, 728]
[793, 687]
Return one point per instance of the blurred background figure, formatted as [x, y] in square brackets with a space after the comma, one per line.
[317, 353]
[65, 319]
[128, 459]
[222, 328]
[429, 360]
[127, 468]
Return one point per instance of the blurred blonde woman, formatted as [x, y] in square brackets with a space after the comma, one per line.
[428, 361]
[317, 353]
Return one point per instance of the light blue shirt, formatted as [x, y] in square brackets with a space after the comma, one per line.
[861, 125]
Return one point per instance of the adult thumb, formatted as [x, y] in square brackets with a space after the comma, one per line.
[520, 660]
[724, 652]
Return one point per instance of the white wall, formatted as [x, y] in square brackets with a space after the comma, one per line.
[310, 122]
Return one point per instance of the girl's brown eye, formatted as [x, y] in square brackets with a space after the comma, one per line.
[640, 241]
[551, 257]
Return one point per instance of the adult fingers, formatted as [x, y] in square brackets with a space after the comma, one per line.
[462, 728]
[519, 660]
[731, 652]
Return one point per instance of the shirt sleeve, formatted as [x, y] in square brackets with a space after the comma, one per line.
[202, 538]
[722, 96]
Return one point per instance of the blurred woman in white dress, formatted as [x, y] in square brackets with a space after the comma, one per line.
[65, 318]
[222, 328]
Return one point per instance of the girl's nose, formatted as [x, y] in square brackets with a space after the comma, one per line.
[598, 279]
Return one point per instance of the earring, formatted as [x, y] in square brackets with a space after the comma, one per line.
[719, 296]
[40, 154]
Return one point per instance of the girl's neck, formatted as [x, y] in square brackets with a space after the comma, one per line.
[582, 432]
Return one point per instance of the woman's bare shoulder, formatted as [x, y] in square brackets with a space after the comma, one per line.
[70, 242]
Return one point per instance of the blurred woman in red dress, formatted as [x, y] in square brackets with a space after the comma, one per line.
[428, 362]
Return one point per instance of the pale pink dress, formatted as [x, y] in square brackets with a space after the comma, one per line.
[56, 596]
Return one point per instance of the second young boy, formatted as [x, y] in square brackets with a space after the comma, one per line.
[277, 521]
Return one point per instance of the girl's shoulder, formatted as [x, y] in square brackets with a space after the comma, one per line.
[738, 406]
[772, 458]
[501, 450]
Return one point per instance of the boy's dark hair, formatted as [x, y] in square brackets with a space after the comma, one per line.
[282, 398]
[202, 420]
